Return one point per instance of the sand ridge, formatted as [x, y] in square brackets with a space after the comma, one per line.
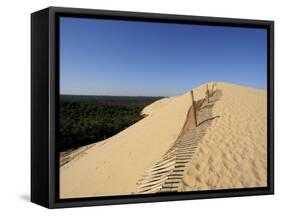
[231, 154]
[167, 173]
[115, 167]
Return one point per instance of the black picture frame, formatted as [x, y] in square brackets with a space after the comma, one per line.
[45, 97]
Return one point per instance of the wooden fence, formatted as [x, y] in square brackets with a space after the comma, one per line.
[196, 105]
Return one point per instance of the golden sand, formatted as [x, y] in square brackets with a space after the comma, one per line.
[232, 153]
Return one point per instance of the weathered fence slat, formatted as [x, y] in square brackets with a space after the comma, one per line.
[207, 93]
[194, 108]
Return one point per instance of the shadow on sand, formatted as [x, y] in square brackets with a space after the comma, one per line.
[167, 173]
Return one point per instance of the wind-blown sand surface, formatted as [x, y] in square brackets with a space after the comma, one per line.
[231, 154]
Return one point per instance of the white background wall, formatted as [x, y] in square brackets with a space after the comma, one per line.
[15, 106]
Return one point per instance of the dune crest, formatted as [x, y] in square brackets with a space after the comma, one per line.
[226, 147]
[233, 153]
[115, 167]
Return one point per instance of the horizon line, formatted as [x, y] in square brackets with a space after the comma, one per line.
[108, 95]
[242, 85]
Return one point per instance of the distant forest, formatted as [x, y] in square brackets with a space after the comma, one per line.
[89, 119]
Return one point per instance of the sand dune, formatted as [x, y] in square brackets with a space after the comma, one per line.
[230, 150]
[233, 153]
[115, 167]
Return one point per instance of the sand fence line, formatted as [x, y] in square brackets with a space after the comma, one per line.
[166, 174]
[196, 105]
[192, 113]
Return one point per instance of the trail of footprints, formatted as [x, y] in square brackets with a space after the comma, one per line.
[166, 174]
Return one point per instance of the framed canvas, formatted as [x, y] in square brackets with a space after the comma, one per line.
[139, 107]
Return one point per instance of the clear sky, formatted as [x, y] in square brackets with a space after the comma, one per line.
[110, 57]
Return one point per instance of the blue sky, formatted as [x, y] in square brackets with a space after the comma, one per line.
[111, 57]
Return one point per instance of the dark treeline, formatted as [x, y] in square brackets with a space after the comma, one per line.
[89, 119]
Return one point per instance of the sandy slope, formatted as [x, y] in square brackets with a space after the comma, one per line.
[232, 154]
[115, 167]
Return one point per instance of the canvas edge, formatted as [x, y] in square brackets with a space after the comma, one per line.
[53, 202]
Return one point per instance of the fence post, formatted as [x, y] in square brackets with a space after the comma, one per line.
[194, 108]
[213, 87]
[207, 92]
